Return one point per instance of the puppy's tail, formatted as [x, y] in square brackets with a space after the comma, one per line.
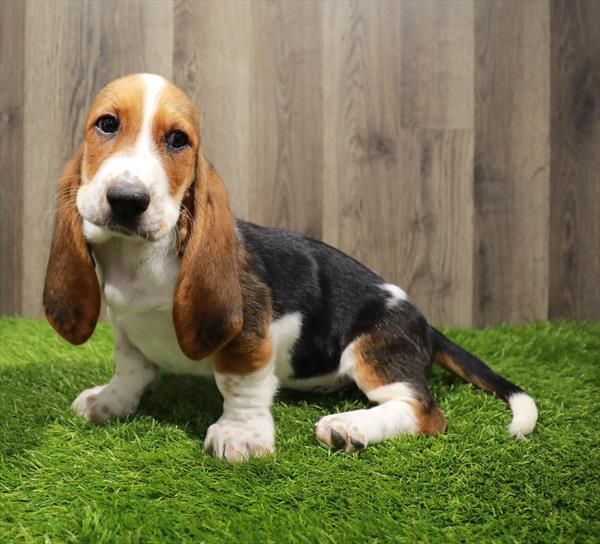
[473, 370]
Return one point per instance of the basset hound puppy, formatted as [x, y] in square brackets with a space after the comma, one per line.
[143, 222]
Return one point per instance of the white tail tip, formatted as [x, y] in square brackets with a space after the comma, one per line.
[525, 415]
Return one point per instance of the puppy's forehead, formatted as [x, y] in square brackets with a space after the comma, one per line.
[139, 95]
[122, 95]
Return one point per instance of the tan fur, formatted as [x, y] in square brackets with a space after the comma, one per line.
[447, 362]
[364, 372]
[430, 418]
[207, 304]
[175, 111]
[369, 375]
[71, 290]
[252, 349]
[123, 98]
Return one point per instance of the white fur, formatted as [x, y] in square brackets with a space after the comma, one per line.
[285, 332]
[153, 85]
[356, 429]
[397, 294]
[138, 281]
[392, 391]
[525, 415]
[246, 427]
[141, 163]
[122, 394]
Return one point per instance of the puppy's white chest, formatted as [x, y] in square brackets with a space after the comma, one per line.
[138, 282]
[153, 333]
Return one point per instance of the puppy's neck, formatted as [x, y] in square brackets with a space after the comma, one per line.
[135, 274]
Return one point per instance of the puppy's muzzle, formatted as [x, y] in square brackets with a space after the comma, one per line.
[128, 201]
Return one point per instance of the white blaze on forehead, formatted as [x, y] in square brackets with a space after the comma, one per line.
[153, 85]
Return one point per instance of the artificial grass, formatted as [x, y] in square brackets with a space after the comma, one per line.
[145, 479]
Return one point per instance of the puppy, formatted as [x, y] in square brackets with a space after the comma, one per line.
[143, 222]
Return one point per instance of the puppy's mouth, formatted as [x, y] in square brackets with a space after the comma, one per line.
[128, 229]
[119, 229]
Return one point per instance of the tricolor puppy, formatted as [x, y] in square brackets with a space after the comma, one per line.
[143, 222]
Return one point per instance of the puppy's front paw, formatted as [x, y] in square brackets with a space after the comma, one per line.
[103, 402]
[237, 441]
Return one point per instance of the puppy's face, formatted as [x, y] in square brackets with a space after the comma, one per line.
[139, 158]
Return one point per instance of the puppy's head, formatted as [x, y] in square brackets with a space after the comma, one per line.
[139, 174]
[139, 157]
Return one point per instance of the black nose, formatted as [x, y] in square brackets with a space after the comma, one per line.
[127, 200]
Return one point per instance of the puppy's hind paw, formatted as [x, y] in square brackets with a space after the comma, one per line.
[339, 433]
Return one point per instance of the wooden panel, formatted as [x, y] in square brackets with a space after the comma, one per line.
[436, 227]
[12, 52]
[511, 161]
[575, 189]
[397, 199]
[414, 135]
[437, 64]
[74, 49]
[212, 63]
[434, 223]
[286, 116]
[362, 148]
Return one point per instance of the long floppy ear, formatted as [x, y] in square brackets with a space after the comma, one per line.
[71, 290]
[207, 304]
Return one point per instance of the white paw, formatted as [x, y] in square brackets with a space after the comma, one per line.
[237, 441]
[103, 402]
[341, 432]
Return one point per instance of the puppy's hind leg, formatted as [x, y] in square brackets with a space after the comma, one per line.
[390, 368]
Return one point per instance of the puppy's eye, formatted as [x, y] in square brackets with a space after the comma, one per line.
[177, 139]
[107, 124]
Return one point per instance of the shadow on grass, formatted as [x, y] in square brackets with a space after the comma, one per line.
[37, 399]
[193, 403]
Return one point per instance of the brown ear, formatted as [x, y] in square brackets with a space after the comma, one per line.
[71, 291]
[207, 304]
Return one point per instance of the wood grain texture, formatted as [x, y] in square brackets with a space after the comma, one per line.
[452, 146]
[12, 53]
[391, 193]
[436, 56]
[575, 185]
[286, 116]
[435, 223]
[436, 215]
[212, 50]
[73, 50]
[512, 161]
[362, 139]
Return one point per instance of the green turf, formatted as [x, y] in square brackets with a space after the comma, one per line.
[145, 479]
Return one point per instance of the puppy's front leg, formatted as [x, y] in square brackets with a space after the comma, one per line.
[246, 428]
[121, 395]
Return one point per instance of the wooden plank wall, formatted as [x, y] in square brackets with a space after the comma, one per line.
[453, 146]
[512, 161]
[575, 181]
[12, 52]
